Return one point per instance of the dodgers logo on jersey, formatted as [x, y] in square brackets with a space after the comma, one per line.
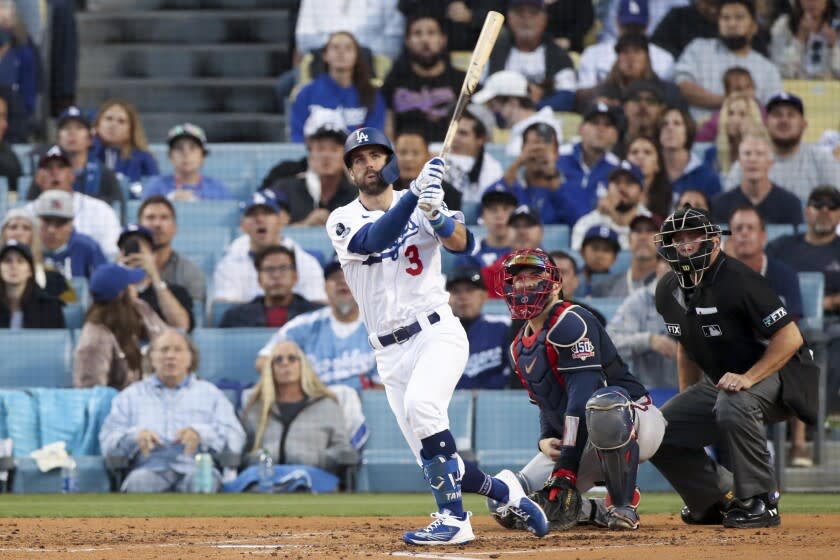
[583, 349]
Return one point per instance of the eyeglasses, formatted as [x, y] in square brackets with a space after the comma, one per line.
[279, 268]
[281, 359]
[824, 204]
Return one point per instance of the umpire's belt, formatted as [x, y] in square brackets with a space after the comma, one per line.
[402, 334]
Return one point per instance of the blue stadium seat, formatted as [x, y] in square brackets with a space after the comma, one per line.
[230, 353]
[495, 307]
[270, 155]
[217, 311]
[202, 240]
[196, 215]
[622, 262]
[387, 462]
[507, 429]
[74, 315]
[80, 288]
[199, 314]
[606, 305]
[471, 210]
[311, 238]
[556, 236]
[91, 476]
[205, 261]
[812, 286]
[27, 364]
[774, 231]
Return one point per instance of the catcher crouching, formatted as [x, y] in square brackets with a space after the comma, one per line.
[597, 421]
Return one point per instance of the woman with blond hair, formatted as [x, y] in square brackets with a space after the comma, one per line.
[740, 112]
[294, 416]
[120, 141]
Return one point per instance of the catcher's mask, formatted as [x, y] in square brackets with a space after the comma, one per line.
[688, 267]
[528, 299]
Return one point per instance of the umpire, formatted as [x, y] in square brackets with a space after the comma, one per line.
[730, 325]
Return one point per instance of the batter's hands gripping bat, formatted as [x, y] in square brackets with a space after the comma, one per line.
[481, 54]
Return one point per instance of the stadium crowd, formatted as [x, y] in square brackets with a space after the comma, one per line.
[677, 102]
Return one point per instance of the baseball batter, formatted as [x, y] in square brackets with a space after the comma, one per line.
[389, 251]
[597, 421]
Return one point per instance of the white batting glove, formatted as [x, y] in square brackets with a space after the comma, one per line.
[431, 174]
[431, 200]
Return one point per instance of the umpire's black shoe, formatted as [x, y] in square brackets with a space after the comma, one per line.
[712, 516]
[758, 511]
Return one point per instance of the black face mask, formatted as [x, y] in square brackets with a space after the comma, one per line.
[735, 43]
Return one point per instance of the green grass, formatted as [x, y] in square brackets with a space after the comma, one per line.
[255, 505]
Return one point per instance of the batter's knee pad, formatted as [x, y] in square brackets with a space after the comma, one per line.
[444, 476]
[611, 422]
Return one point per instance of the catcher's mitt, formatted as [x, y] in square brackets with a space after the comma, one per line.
[560, 501]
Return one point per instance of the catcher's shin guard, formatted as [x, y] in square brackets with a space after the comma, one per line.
[444, 477]
[610, 419]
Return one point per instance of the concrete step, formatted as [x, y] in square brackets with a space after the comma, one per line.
[143, 60]
[220, 127]
[123, 5]
[186, 27]
[203, 95]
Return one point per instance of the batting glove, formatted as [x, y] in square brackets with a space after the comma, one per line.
[431, 174]
[431, 200]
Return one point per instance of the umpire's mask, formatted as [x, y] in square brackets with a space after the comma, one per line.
[691, 255]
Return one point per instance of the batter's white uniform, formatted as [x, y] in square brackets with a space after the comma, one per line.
[395, 288]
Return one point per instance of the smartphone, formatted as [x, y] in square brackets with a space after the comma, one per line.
[131, 246]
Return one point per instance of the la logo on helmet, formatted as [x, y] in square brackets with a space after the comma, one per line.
[361, 136]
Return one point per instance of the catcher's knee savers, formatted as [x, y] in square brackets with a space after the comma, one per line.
[611, 421]
[444, 476]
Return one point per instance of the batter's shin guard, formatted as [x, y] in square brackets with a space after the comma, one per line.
[444, 476]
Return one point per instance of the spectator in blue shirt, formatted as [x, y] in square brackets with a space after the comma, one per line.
[187, 152]
[487, 366]
[585, 166]
[497, 204]
[345, 86]
[685, 169]
[160, 423]
[120, 141]
[20, 66]
[540, 186]
[65, 250]
[92, 178]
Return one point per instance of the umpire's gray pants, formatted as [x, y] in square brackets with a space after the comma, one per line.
[702, 415]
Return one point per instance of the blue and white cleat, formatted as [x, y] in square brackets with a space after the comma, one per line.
[445, 529]
[521, 506]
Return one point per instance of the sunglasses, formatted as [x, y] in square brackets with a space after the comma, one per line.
[824, 204]
[281, 359]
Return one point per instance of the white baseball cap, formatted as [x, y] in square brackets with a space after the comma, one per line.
[321, 119]
[505, 82]
[54, 203]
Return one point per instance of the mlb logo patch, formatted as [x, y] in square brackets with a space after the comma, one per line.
[583, 349]
[673, 329]
[712, 330]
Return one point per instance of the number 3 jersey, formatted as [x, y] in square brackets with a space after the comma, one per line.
[394, 286]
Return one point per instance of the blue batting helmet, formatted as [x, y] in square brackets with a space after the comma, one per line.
[370, 136]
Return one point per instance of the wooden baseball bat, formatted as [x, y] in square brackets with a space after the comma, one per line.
[481, 54]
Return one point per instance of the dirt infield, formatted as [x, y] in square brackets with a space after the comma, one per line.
[662, 537]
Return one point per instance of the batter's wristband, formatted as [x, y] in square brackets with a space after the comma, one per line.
[443, 225]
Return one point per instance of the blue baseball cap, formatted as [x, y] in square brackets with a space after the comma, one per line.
[109, 280]
[786, 98]
[496, 194]
[73, 114]
[633, 12]
[267, 198]
[330, 267]
[135, 229]
[602, 232]
[634, 172]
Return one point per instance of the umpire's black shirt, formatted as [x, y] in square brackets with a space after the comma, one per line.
[723, 324]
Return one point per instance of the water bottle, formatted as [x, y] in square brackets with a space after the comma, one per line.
[203, 481]
[68, 475]
[265, 471]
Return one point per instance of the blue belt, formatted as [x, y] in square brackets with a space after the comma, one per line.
[402, 334]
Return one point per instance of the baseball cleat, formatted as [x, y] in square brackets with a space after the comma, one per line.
[521, 506]
[756, 512]
[623, 518]
[445, 529]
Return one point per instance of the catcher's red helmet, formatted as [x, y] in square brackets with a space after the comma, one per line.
[528, 297]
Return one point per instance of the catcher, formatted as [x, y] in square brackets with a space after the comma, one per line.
[597, 420]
